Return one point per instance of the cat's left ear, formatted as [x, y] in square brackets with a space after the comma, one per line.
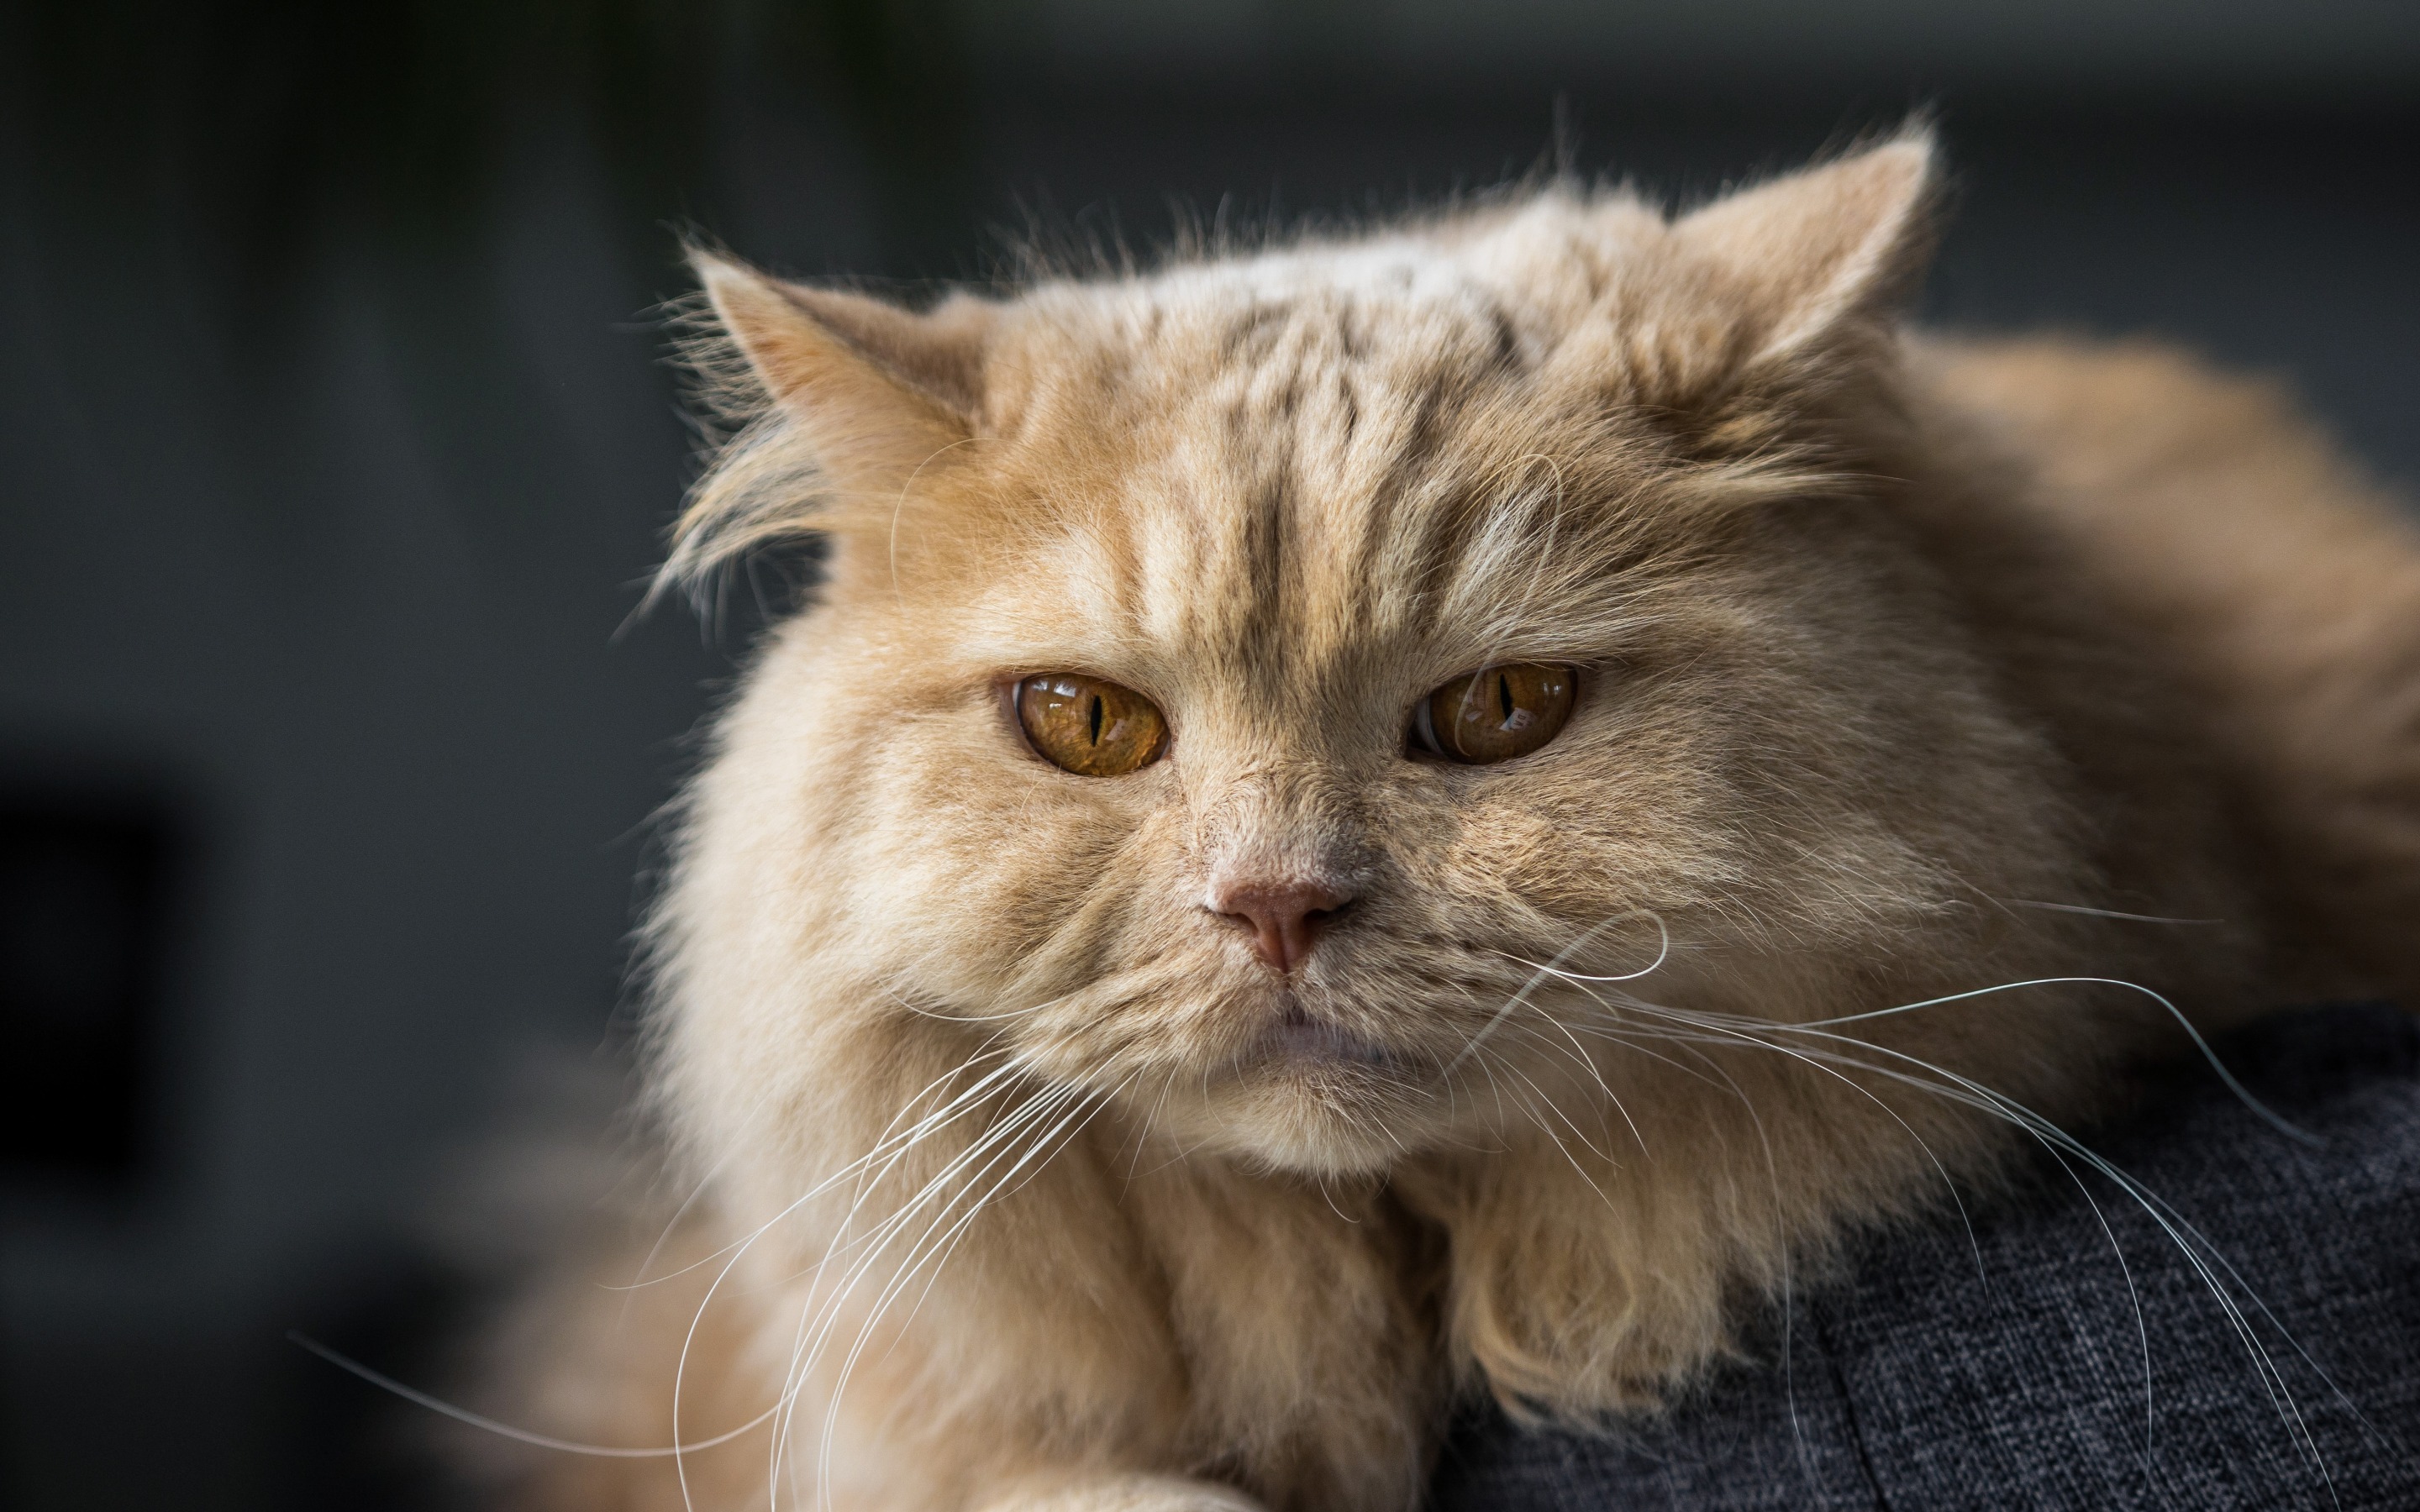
[1825, 251]
[871, 398]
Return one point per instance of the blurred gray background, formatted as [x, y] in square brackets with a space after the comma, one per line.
[336, 440]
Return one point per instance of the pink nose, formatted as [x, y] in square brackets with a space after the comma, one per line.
[1284, 916]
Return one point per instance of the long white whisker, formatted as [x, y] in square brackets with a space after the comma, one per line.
[2104, 913]
[663, 1236]
[873, 1241]
[1037, 1108]
[1548, 1129]
[888, 1145]
[1956, 1198]
[1538, 975]
[2195, 1247]
[937, 1252]
[1588, 1063]
[489, 1425]
[986, 1149]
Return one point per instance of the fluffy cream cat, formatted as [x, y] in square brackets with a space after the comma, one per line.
[1434, 813]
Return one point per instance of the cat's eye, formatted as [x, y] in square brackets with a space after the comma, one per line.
[1496, 714]
[1091, 727]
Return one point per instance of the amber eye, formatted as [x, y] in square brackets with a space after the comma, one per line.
[1495, 715]
[1090, 727]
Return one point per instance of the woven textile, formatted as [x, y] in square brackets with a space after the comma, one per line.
[2036, 1359]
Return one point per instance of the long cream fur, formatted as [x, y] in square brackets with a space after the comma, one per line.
[1910, 669]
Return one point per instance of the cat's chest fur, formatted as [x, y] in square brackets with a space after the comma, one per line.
[1303, 1323]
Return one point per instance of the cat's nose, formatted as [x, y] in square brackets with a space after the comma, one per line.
[1284, 916]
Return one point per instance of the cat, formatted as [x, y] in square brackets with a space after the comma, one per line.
[1434, 811]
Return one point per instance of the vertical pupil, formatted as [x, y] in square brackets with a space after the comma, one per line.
[1504, 693]
[1096, 719]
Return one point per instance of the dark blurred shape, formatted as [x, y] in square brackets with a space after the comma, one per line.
[269, 123]
[87, 886]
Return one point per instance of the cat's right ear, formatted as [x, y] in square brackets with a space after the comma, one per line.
[878, 392]
[1815, 255]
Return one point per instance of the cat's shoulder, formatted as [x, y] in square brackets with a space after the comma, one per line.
[2133, 413]
[2209, 486]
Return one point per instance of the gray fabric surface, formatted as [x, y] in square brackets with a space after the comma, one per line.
[1926, 1381]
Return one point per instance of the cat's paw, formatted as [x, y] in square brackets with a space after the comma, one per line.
[1124, 1494]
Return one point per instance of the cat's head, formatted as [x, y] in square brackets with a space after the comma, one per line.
[1240, 689]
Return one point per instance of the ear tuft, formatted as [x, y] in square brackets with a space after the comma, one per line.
[1827, 248]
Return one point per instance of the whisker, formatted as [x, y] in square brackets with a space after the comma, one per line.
[989, 1149]
[489, 1425]
[1547, 1129]
[1588, 1064]
[926, 1247]
[1663, 953]
[1538, 975]
[893, 1147]
[2104, 913]
[2195, 1248]
[2241, 1093]
[663, 1236]
[1930, 1155]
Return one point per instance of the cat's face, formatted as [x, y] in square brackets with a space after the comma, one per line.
[1262, 512]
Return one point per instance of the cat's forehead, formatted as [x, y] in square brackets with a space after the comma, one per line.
[1395, 269]
[1303, 465]
[1481, 290]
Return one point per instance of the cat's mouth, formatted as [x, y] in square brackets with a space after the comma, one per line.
[1296, 1039]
